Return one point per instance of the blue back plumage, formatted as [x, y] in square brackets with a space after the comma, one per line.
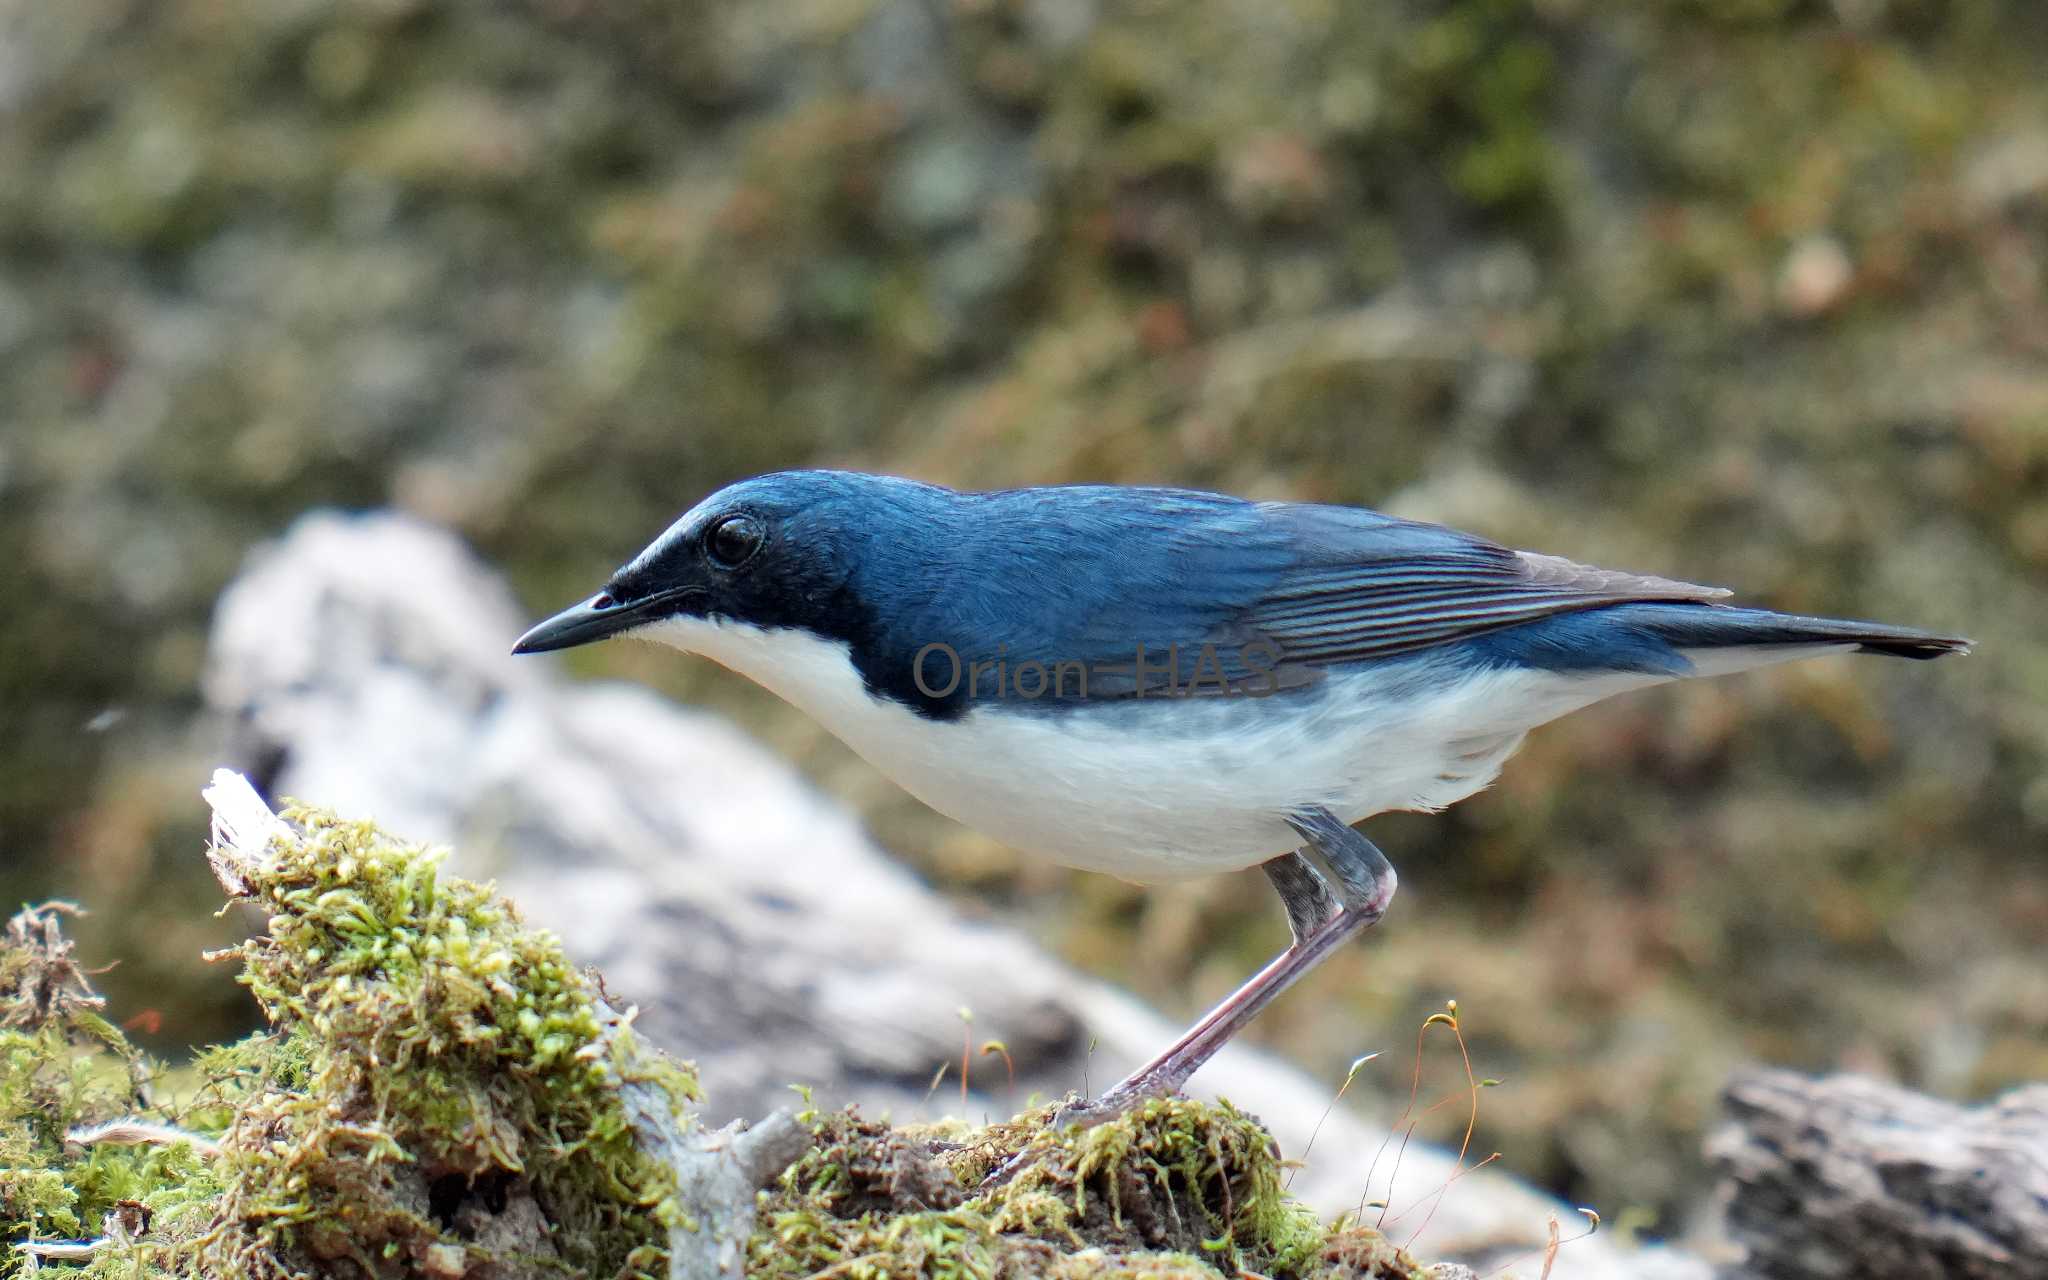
[1271, 595]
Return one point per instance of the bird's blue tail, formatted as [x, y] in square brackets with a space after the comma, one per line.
[1658, 637]
[1719, 626]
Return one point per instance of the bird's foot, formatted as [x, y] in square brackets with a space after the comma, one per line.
[1085, 1113]
[1073, 1114]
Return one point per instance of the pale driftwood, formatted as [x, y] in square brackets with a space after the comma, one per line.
[717, 1174]
[1848, 1177]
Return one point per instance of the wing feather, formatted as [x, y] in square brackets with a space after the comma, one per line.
[1371, 586]
[1274, 591]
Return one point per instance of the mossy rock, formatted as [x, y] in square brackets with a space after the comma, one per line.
[65, 1069]
[450, 1084]
[1172, 1188]
[438, 1093]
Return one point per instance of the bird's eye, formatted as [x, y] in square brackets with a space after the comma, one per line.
[732, 540]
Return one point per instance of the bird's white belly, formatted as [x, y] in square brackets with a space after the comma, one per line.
[1165, 789]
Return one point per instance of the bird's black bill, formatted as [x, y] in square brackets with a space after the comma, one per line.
[594, 619]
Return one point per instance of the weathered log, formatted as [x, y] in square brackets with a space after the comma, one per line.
[1850, 1177]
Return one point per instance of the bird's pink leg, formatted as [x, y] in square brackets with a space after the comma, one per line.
[1168, 1072]
[1364, 882]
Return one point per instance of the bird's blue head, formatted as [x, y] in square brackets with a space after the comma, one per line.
[920, 587]
[785, 550]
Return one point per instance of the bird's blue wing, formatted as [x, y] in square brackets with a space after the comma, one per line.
[1160, 590]
[1368, 586]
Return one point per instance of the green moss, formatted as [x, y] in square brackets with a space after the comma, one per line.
[64, 1068]
[1175, 1187]
[437, 1093]
[432, 1063]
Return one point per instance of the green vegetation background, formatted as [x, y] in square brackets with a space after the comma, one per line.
[1743, 291]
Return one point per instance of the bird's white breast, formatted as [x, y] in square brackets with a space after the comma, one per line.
[1164, 789]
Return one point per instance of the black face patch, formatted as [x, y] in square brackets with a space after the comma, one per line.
[784, 551]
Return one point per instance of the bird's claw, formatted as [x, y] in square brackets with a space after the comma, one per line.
[1084, 1113]
[1074, 1113]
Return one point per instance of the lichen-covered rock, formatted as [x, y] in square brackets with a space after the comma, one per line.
[1849, 1178]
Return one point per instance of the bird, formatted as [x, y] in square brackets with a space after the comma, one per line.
[1162, 683]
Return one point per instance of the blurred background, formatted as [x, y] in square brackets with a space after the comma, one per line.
[1738, 291]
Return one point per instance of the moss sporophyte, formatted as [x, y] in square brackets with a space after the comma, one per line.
[440, 1093]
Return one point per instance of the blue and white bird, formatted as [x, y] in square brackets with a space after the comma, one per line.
[1162, 683]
